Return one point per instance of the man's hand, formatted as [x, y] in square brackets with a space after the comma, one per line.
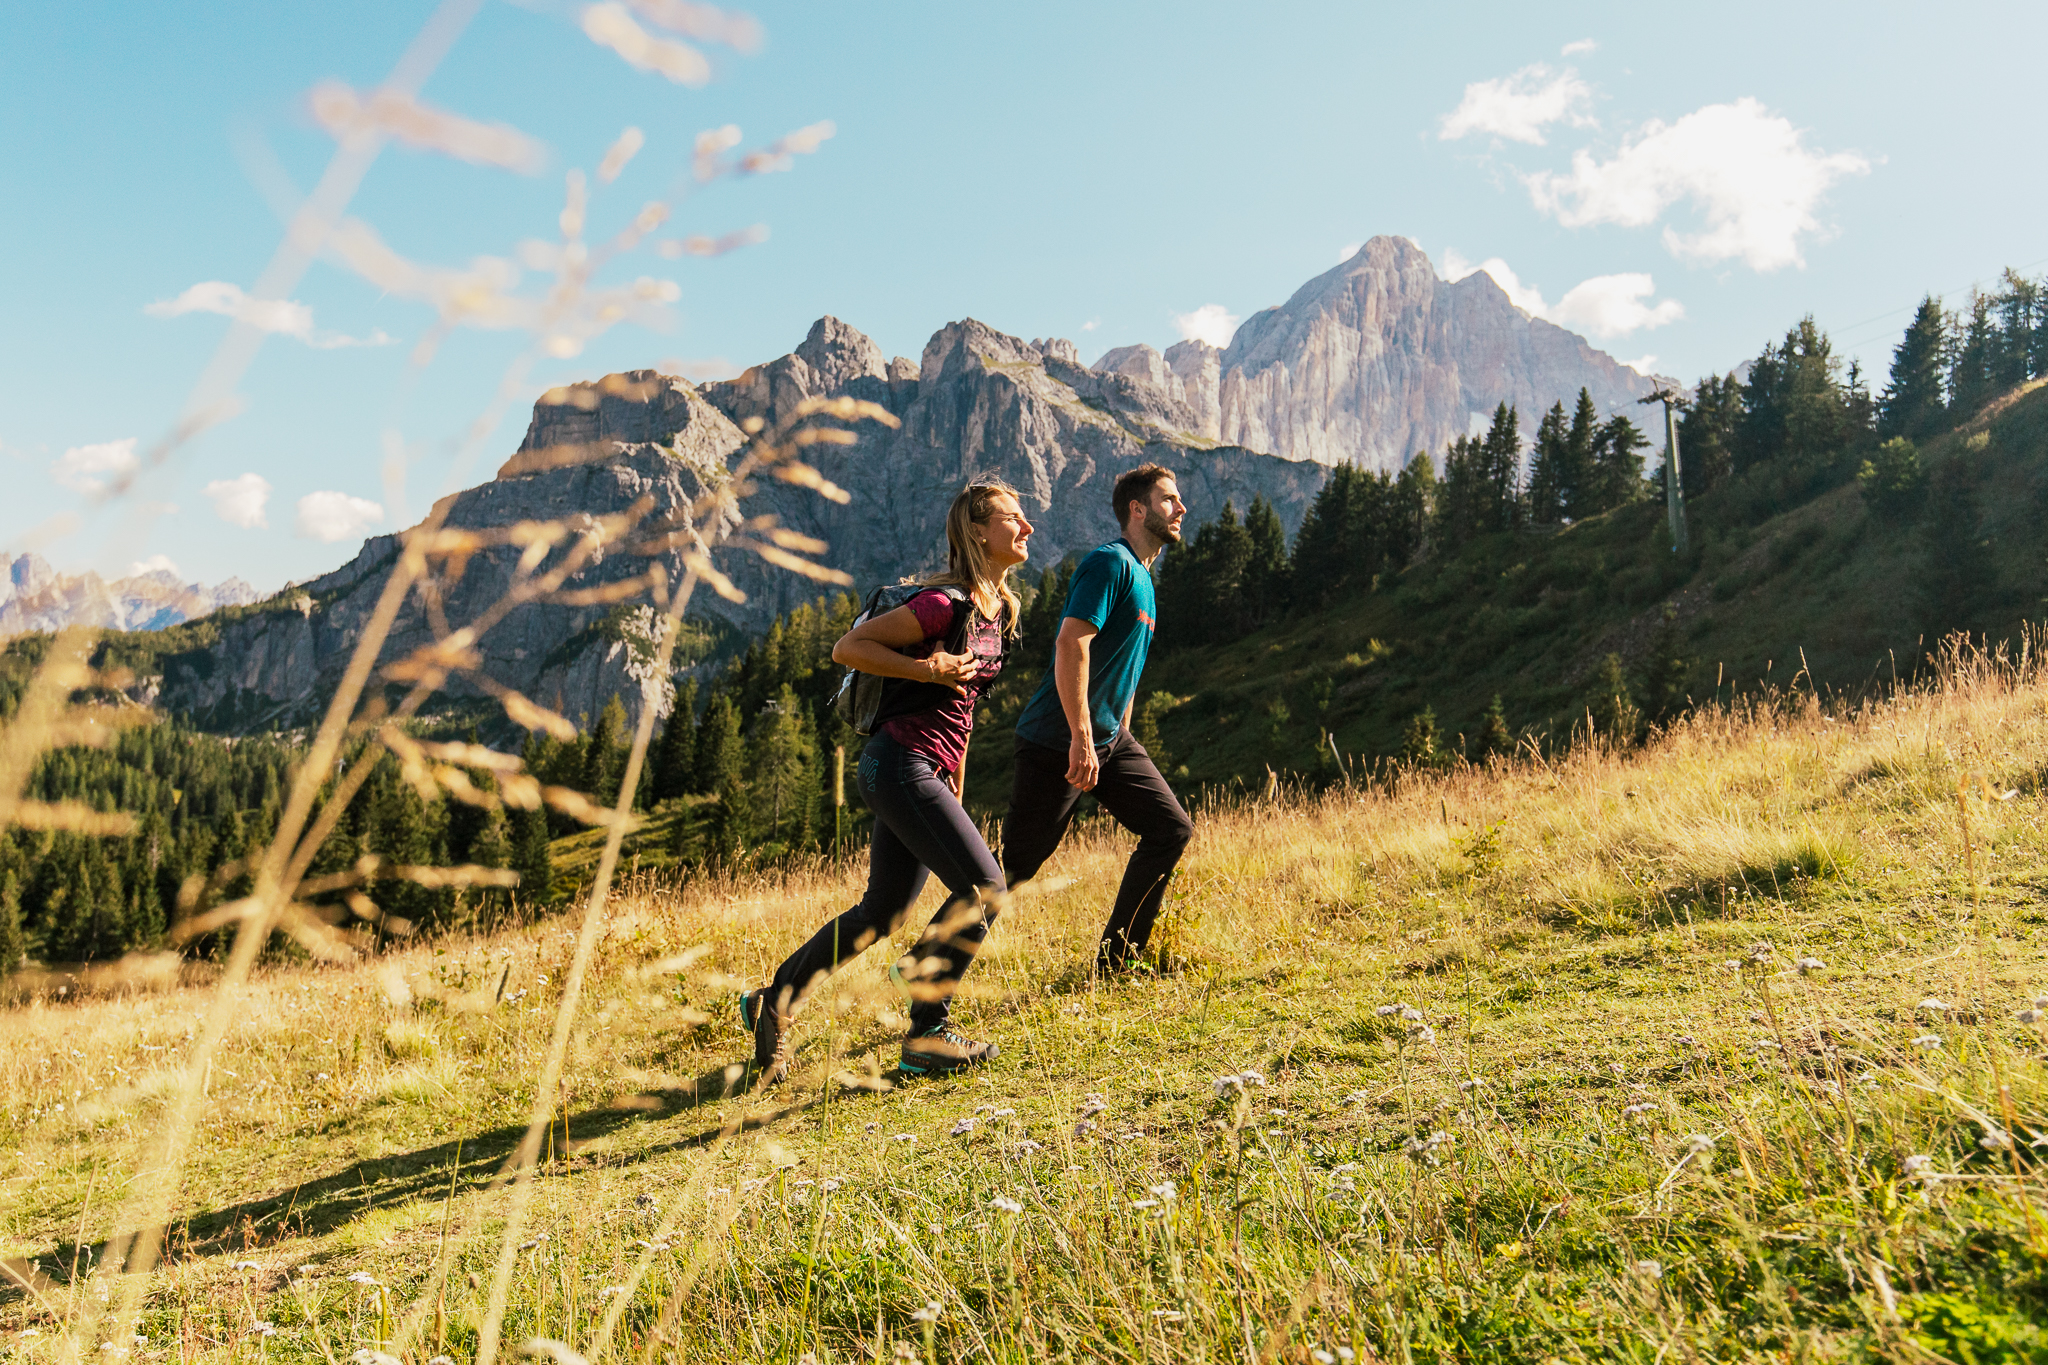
[1082, 767]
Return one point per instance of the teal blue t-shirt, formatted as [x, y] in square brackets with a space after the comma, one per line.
[1112, 591]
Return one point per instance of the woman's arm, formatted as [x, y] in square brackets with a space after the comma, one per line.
[875, 647]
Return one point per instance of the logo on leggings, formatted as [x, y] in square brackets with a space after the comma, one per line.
[870, 771]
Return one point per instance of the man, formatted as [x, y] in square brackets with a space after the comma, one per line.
[1075, 733]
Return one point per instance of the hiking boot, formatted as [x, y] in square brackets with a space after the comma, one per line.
[939, 1051]
[766, 1024]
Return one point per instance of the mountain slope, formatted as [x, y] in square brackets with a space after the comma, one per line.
[35, 597]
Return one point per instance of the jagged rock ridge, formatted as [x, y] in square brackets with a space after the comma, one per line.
[34, 596]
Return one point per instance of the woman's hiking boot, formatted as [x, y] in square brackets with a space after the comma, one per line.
[766, 1024]
[938, 1051]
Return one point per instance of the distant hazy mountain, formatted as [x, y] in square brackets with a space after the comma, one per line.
[1375, 360]
[34, 596]
[1367, 363]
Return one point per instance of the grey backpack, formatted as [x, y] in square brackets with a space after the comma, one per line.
[865, 700]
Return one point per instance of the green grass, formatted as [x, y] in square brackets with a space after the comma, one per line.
[1580, 940]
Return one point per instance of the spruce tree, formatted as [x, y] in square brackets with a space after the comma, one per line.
[1581, 493]
[1618, 463]
[1912, 402]
[676, 752]
[1547, 491]
[783, 772]
[1411, 508]
[718, 746]
[1893, 482]
[1706, 433]
[604, 756]
[1462, 503]
[1495, 740]
[1265, 570]
[530, 856]
[1615, 715]
[1973, 353]
[13, 942]
[1664, 671]
[1418, 740]
[1501, 510]
[1960, 574]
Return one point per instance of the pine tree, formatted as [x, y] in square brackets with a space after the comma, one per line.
[1706, 434]
[2018, 304]
[676, 752]
[1412, 507]
[1580, 490]
[1618, 464]
[1418, 740]
[1972, 354]
[1893, 482]
[13, 942]
[1265, 570]
[1960, 574]
[1615, 715]
[604, 756]
[1495, 739]
[784, 772]
[718, 746]
[1912, 403]
[1502, 509]
[530, 856]
[1547, 490]
[1461, 502]
[1664, 671]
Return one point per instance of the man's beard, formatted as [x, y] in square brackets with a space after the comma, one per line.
[1160, 529]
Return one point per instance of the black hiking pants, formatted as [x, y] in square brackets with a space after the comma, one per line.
[1130, 788]
[919, 829]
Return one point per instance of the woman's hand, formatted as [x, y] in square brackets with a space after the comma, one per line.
[953, 670]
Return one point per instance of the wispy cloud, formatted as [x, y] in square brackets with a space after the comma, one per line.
[1604, 306]
[1748, 173]
[240, 501]
[90, 468]
[280, 317]
[154, 564]
[1212, 322]
[1347, 251]
[329, 516]
[1583, 45]
[1520, 106]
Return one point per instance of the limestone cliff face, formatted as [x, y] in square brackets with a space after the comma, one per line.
[592, 450]
[1378, 358]
[979, 402]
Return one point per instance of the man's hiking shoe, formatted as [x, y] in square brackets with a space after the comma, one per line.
[766, 1026]
[939, 1051]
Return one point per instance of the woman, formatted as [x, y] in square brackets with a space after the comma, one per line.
[911, 777]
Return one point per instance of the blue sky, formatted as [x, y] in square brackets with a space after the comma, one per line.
[1681, 190]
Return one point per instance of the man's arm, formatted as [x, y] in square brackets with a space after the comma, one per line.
[1070, 676]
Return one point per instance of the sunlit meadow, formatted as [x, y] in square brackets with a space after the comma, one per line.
[1725, 1049]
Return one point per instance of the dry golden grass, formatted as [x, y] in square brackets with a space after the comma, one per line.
[1609, 946]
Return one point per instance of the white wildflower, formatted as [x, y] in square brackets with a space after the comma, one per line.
[1930, 1003]
[964, 1126]
[364, 1277]
[1646, 1107]
[367, 1356]
[1411, 1014]
[829, 1185]
[1144, 1203]
[245, 1265]
[1322, 1357]
[1003, 1114]
[1650, 1270]
[1084, 1127]
[1006, 1205]
[904, 1137]
[1027, 1146]
[1421, 1033]
[1162, 1191]
[1921, 1168]
[1698, 1143]
[1092, 1104]
[1168, 1314]
[440, 1360]
[1810, 964]
[611, 1291]
[1475, 1083]
[262, 1329]
[1994, 1139]
[929, 1313]
[1387, 1011]
[1928, 1040]
[1356, 1097]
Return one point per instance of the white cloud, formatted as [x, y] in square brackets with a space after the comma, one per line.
[1582, 45]
[152, 564]
[1517, 107]
[1746, 170]
[1212, 322]
[89, 469]
[1604, 306]
[1642, 365]
[240, 501]
[281, 317]
[1524, 296]
[1614, 305]
[331, 516]
[1091, 324]
[1347, 251]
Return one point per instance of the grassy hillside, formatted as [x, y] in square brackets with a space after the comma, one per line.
[1706, 1051]
[1822, 591]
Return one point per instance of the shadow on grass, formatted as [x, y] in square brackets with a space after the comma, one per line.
[461, 1165]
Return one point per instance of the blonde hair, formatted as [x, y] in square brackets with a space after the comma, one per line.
[967, 558]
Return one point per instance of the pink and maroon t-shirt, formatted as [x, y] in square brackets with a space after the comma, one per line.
[940, 734]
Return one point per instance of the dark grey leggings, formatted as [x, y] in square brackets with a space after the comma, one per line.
[919, 829]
